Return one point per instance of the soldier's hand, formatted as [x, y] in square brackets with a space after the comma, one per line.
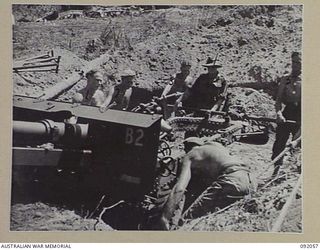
[77, 98]
[71, 120]
[280, 118]
[179, 105]
[103, 108]
[294, 143]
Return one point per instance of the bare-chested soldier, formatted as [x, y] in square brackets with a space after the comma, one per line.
[95, 92]
[179, 83]
[289, 94]
[216, 168]
[119, 95]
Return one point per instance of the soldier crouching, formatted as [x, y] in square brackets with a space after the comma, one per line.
[210, 167]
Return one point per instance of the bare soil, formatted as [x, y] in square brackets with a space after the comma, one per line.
[254, 44]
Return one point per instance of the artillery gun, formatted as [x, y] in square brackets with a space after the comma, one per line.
[83, 154]
[112, 153]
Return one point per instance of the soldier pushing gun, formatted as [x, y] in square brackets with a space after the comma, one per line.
[210, 165]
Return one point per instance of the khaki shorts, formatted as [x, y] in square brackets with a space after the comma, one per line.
[237, 183]
[230, 186]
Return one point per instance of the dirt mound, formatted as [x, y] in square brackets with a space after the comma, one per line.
[254, 102]
[43, 217]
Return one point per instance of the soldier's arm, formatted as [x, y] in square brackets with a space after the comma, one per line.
[185, 94]
[177, 104]
[224, 89]
[168, 87]
[278, 104]
[126, 99]
[177, 193]
[108, 99]
[221, 97]
[296, 135]
[166, 90]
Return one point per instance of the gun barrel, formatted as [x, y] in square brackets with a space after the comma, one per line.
[48, 131]
[33, 128]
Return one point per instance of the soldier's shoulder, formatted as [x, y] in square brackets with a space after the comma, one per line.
[211, 144]
[213, 148]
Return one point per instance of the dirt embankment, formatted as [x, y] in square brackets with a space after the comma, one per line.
[253, 43]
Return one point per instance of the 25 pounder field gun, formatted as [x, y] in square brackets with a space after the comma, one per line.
[113, 152]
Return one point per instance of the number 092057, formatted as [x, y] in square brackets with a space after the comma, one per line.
[310, 245]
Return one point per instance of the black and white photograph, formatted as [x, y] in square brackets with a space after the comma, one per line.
[157, 118]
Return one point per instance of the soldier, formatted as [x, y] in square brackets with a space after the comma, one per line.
[95, 92]
[180, 81]
[119, 96]
[208, 91]
[289, 94]
[178, 85]
[210, 165]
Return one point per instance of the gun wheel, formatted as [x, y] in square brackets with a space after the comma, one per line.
[164, 148]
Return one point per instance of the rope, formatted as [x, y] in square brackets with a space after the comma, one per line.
[295, 143]
[99, 219]
[98, 205]
[197, 201]
[277, 225]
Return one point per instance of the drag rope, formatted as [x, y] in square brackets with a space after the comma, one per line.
[295, 142]
[277, 225]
